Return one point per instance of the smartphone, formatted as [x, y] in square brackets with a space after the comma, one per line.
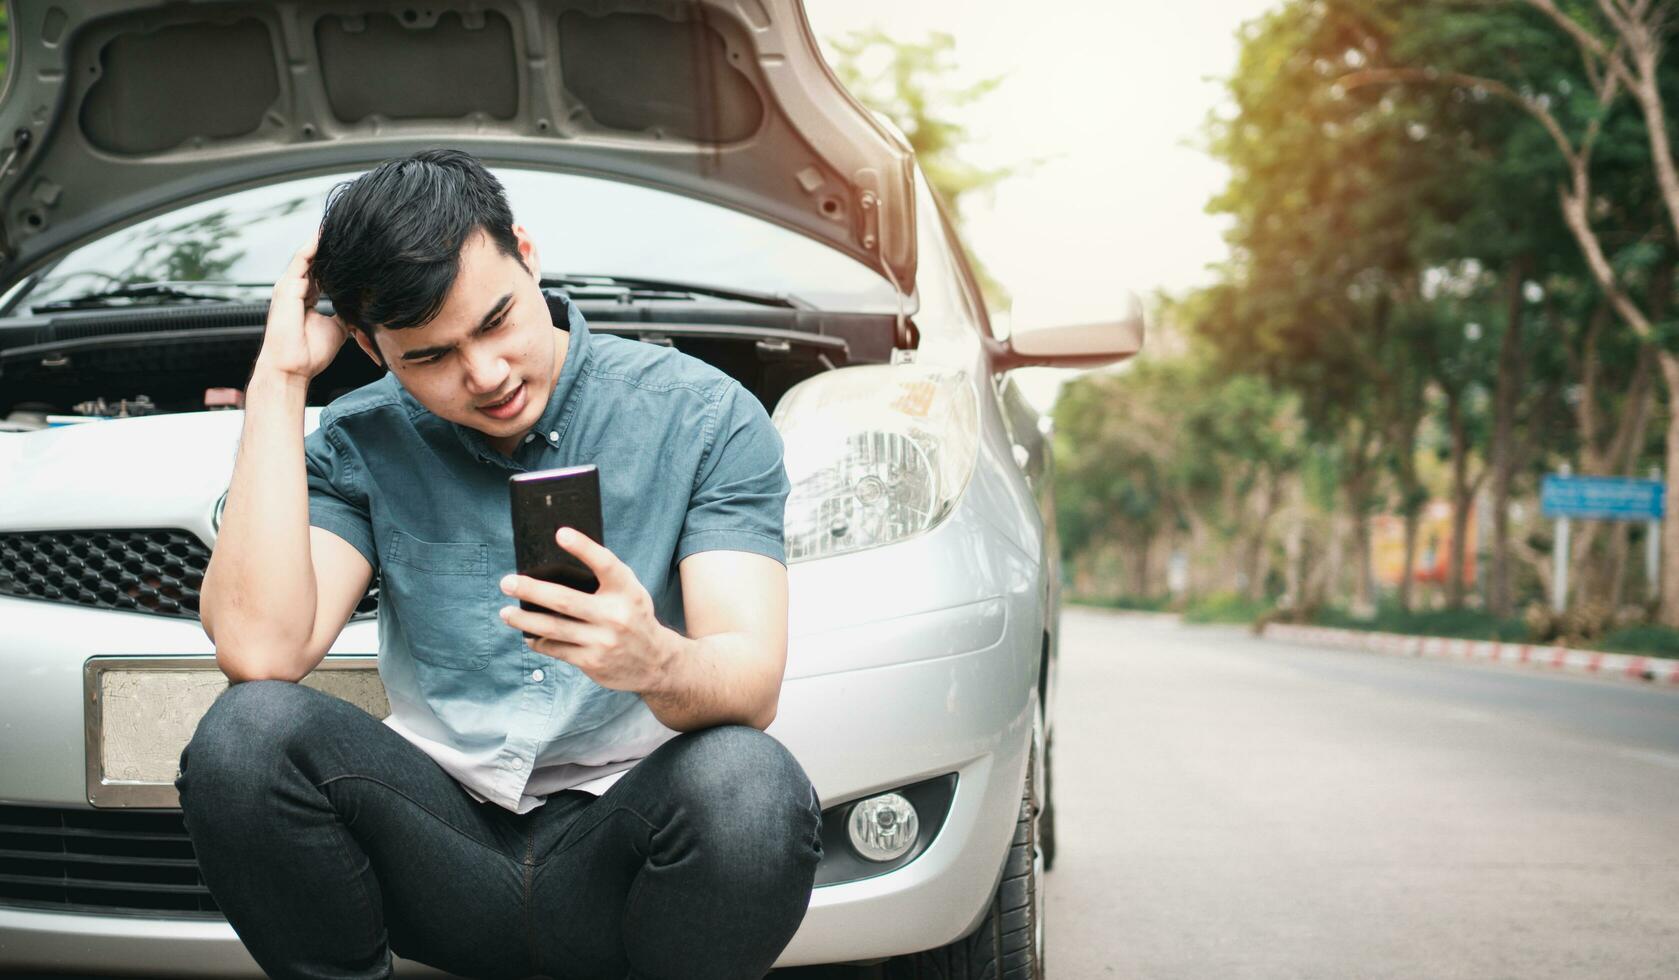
[543, 502]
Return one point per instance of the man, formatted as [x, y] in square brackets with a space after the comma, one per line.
[529, 807]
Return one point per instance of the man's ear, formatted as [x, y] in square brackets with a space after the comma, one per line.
[370, 347]
[527, 251]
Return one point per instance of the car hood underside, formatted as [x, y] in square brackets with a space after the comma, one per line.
[117, 109]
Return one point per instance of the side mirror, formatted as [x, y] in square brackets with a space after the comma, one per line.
[1079, 345]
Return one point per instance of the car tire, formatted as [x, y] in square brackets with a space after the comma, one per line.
[1009, 943]
[1046, 820]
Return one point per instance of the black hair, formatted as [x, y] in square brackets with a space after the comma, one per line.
[391, 239]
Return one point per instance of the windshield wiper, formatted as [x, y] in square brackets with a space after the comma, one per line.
[630, 289]
[164, 291]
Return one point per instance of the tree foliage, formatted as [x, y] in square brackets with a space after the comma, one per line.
[1409, 286]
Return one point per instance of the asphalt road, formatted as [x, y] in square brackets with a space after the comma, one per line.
[1231, 807]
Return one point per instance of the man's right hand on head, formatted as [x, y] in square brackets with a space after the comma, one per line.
[299, 342]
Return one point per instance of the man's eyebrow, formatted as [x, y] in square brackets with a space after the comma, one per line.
[483, 325]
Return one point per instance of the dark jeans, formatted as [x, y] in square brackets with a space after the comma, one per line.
[330, 841]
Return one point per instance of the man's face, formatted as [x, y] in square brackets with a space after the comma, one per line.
[486, 360]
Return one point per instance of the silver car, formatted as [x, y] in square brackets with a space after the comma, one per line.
[694, 177]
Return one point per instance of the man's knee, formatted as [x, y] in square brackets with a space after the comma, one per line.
[240, 742]
[747, 790]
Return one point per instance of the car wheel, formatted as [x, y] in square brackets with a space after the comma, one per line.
[1009, 943]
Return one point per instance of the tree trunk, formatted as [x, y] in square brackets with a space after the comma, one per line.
[1407, 577]
[1139, 566]
[1334, 562]
[1259, 556]
[1252, 551]
[1461, 499]
[1500, 602]
[1502, 452]
[1294, 542]
[1197, 585]
[1411, 494]
[1358, 507]
[1668, 613]
[1609, 578]
[1364, 598]
[1620, 541]
[1458, 579]
[1261, 568]
[1588, 367]
[1358, 486]
[1617, 455]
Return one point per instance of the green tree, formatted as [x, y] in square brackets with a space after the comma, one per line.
[1173, 451]
[1333, 210]
[1511, 225]
[1427, 294]
[1375, 221]
[1595, 109]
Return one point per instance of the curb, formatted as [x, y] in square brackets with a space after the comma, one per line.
[1660, 670]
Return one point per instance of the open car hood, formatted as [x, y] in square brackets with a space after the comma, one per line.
[118, 109]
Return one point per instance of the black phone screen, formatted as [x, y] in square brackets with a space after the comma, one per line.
[544, 501]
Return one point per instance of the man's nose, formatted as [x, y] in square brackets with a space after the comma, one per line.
[486, 372]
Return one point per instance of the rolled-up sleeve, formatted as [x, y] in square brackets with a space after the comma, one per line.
[337, 495]
[739, 501]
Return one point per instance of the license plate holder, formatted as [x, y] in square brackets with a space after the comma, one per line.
[140, 712]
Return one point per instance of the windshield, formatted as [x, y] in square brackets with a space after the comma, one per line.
[582, 225]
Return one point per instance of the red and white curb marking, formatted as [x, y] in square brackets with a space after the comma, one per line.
[1661, 670]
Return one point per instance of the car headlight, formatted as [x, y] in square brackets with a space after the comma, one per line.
[875, 454]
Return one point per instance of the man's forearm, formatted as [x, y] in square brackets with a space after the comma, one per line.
[259, 587]
[722, 679]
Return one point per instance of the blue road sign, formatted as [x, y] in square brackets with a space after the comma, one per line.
[1607, 498]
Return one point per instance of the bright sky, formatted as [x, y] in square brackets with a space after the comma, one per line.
[1114, 93]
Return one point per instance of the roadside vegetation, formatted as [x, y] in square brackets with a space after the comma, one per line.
[1453, 237]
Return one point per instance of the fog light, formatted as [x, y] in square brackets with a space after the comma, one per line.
[883, 827]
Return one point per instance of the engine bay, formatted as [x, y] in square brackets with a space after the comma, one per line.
[83, 366]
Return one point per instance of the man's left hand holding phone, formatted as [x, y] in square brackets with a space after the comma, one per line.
[609, 631]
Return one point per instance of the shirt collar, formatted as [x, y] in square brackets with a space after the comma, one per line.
[550, 428]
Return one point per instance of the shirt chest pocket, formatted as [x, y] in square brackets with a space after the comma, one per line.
[440, 593]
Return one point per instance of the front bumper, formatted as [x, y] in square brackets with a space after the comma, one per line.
[31, 940]
[970, 714]
[967, 710]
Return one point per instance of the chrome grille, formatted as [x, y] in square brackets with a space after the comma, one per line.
[157, 570]
[122, 861]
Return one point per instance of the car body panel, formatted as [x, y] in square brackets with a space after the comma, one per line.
[942, 690]
[905, 661]
[975, 586]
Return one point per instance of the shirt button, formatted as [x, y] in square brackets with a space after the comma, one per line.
[516, 764]
[554, 436]
[529, 437]
[536, 675]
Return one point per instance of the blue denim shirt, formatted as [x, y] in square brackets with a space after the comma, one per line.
[688, 462]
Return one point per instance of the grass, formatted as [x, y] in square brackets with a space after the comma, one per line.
[1466, 624]
[1135, 603]
[1224, 608]
[1219, 608]
[1656, 641]
[1474, 624]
